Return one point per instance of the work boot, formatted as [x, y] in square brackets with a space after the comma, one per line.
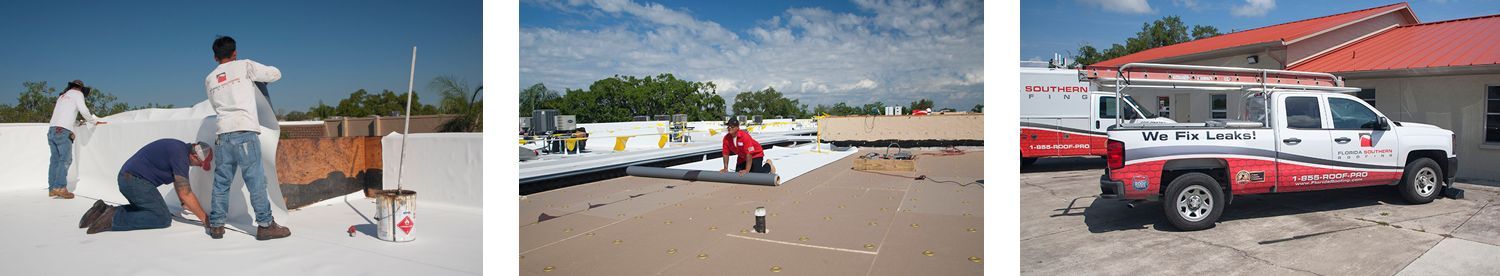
[274, 231]
[92, 214]
[105, 221]
[61, 192]
[216, 232]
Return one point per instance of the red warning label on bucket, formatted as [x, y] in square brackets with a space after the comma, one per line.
[405, 225]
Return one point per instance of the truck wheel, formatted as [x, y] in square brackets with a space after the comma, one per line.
[1194, 202]
[1421, 182]
[1026, 162]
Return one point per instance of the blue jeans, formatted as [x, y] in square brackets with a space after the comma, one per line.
[146, 210]
[239, 150]
[62, 156]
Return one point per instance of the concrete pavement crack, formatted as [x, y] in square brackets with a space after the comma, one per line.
[1246, 254]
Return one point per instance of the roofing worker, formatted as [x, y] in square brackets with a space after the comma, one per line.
[158, 163]
[60, 136]
[232, 90]
[751, 157]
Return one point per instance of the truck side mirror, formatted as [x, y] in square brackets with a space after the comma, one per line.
[1382, 124]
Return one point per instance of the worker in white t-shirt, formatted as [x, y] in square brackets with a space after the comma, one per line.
[232, 91]
[60, 136]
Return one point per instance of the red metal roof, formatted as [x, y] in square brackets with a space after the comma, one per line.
[1274, 33]
[1459, 42]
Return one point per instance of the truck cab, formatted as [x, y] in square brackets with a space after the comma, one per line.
[1297, 131]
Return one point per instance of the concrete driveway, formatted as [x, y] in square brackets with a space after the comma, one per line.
[1358, 231]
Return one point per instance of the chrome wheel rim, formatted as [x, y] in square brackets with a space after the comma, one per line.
[1194, 203]
[1427, 182]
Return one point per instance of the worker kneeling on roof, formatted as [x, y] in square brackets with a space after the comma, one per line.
[158, 163]
[751, 156]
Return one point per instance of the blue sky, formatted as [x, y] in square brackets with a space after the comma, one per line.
[159, 51]
[819, 52]
[1061, 26]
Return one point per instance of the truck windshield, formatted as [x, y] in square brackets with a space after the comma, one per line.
[1137, 107]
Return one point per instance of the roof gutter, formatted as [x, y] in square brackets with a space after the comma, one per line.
[1423, 72]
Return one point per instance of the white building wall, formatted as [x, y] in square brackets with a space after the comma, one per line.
[1455, 103]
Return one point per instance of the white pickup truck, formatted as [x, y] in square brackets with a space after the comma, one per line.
[1291, 135]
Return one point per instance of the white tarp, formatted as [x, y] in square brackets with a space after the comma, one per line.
[27, 155]
[445, 168]
[100, 152]
[790, 162]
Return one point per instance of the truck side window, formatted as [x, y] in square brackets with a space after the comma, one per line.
[1349, 114]
[1303, 112]
[1107, 108]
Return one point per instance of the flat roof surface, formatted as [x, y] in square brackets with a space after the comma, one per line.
[831, 221]
[42, 238]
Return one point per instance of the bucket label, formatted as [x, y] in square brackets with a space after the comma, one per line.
[405, 225]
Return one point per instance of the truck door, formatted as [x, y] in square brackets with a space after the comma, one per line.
[1104, 114]
[1355, 141]
[1301, 144]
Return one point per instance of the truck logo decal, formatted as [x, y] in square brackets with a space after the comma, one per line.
[1195, 136]
[1364, 141]
[1248, 176]
[1140, 183]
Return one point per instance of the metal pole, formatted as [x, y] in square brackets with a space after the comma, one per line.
[401, 167]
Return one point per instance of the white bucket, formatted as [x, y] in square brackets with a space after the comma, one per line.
[395, 215]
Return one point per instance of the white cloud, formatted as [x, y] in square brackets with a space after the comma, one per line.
[1190, 4]
[901, 51]
[1121, 6]
[1253, 8]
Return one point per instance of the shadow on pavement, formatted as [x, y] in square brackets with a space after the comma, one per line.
[1106, 215]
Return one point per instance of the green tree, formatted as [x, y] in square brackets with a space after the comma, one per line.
[537, 97]
[386, 103]
[768, 104]
[456, 101]
[619, 98]
[1162, 32]
[919, 105]
[321, 111]
[1201, 32]
[978, 108]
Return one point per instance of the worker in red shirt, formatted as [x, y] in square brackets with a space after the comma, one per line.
[751, 157]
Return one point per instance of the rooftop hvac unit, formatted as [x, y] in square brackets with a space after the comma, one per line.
[757, 119]
[899, 111]
[661, 118]
[525, 122]
[543, 120]
[741, 118]
[679, 118]
[890, 110]
[641, 118]
[567, 122]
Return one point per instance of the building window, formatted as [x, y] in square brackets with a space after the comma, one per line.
[1107, 108]
[1220, 106]
[1164, 106]
[1367, 94]
[1349, 114]
[1492, 115]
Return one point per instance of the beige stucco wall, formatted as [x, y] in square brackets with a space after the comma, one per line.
[1455, 103]
[1307, 47]
[929, 127]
